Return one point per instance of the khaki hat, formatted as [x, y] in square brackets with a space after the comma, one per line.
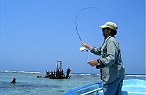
[109, 25]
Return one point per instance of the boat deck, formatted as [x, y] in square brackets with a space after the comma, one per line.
[130, 87]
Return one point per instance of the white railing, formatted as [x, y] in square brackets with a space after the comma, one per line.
[92, 91]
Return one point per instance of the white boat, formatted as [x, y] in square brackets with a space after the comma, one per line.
[130, 87]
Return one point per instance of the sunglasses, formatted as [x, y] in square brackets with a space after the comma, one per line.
[103, 29]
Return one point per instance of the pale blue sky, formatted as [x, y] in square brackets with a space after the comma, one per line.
[34, 34]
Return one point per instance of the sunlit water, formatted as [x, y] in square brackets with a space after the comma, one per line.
[27, 83]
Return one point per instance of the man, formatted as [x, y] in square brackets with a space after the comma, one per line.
[110, 64]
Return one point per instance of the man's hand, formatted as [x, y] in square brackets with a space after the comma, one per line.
[87, 46]
[93, 62]
[83, 44]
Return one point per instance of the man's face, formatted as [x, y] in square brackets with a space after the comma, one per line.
[106, 32]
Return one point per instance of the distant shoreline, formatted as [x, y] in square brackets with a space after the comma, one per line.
[37, 72]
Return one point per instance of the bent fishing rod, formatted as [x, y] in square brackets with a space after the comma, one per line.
[82, 48]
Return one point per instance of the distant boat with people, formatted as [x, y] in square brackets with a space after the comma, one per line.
[58, 74]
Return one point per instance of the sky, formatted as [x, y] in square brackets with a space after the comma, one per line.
[34, 34]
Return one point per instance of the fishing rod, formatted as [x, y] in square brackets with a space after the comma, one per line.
[82, 48]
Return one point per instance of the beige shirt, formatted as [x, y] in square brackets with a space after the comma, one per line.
[111, 58]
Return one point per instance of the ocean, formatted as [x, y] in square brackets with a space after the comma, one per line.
[27, 83]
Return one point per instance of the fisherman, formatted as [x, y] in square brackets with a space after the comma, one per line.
[110, 64]
[14, 81]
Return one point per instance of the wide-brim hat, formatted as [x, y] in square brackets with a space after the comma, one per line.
[111, 25]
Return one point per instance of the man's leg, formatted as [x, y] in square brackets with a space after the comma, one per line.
[119, 88]
[112, 88]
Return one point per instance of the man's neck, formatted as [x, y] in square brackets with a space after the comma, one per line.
[106, 37]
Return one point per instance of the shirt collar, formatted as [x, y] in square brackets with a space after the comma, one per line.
[107, 38]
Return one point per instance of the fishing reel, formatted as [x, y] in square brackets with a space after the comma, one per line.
[83, 49]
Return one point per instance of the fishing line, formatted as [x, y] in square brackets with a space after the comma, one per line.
[87, 42]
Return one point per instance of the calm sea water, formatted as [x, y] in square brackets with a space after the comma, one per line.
[27, 83]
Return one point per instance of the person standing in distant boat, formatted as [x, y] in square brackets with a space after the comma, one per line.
[110, 64]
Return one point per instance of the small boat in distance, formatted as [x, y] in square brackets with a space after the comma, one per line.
[58, 74]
